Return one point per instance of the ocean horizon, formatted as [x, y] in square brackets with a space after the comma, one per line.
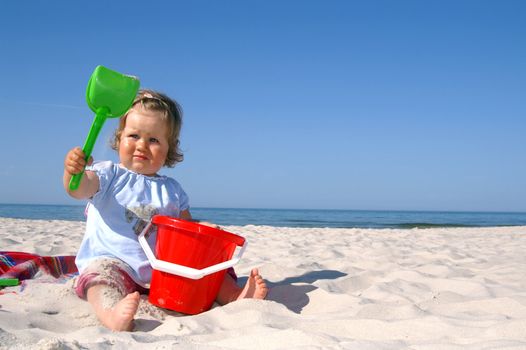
[333, 218]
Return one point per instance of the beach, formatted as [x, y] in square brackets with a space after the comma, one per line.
[330, 288]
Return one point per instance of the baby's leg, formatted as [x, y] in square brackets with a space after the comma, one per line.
[106, 285]
[116, 316]
[255, 288]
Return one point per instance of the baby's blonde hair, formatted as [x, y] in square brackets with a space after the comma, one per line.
[172, 112]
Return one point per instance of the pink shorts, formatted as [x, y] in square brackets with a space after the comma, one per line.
[113, 273]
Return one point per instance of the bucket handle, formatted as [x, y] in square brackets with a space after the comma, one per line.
[181, 270]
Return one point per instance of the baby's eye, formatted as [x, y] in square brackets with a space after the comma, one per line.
[154, 140]
[133, 136]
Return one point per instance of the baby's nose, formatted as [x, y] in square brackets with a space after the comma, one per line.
[141, 143]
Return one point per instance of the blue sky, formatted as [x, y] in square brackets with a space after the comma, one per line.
[406, 105]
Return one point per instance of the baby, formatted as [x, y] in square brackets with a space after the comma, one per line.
[122, 198]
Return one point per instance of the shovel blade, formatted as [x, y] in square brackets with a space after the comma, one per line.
[111, 90]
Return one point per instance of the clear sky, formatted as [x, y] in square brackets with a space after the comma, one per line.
[410, 105]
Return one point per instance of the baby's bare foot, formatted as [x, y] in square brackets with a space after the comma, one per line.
[255, 288]
[120, 317]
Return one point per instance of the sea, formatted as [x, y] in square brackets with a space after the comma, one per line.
[297, 217]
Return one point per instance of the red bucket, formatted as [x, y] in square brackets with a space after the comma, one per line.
[191, 263]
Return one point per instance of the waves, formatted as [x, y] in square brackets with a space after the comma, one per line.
[432, 225]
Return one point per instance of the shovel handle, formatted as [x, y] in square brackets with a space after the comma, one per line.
[96, 126]
[9, 282]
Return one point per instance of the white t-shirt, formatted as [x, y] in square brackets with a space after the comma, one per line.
[120, 210]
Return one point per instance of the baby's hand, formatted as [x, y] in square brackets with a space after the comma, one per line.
[74, 162]
[209, 224]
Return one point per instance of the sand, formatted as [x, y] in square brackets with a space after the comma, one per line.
[440, 288]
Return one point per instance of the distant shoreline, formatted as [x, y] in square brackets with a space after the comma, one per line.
[306, 209]
[338, 218]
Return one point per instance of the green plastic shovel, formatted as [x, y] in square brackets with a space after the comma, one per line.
[109, 94]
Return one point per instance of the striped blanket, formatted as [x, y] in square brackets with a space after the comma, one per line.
[26, 266]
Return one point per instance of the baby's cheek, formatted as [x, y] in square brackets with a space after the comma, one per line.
[124, 143]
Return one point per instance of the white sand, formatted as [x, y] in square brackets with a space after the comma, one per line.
[444, 288]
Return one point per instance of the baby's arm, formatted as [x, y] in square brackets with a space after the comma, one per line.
[74, 164]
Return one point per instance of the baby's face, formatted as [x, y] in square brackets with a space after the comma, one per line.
[144, 142]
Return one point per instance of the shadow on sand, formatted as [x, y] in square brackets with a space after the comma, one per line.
[285, 292]
[295, 297]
